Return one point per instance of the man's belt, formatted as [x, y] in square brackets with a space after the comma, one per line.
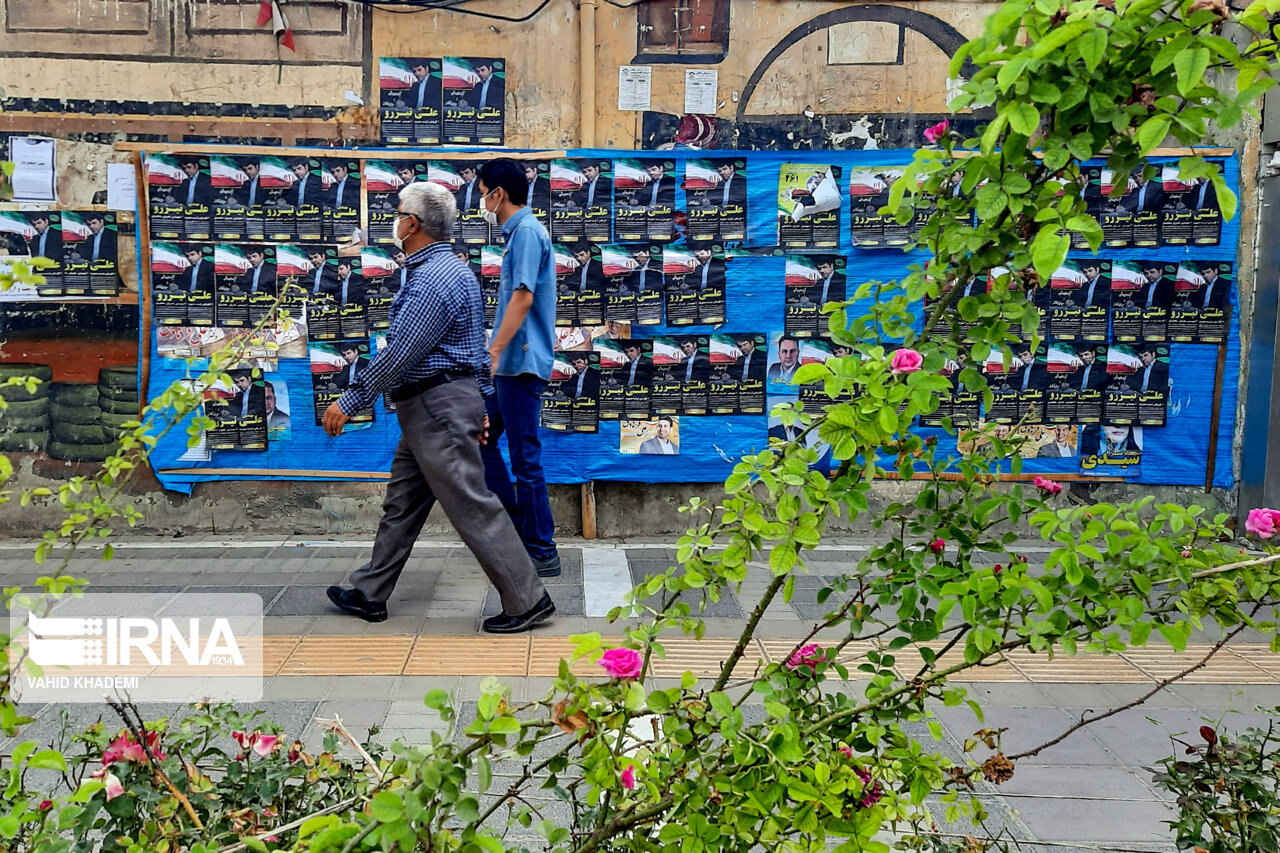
[413, 389]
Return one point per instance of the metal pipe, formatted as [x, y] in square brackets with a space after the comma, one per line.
[587, 73]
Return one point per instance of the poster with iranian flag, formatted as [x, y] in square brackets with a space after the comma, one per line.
[334, 366]
[472, 86]
[409, 99]
[723, 353]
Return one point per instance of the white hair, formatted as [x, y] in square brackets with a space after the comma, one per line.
[433, 205]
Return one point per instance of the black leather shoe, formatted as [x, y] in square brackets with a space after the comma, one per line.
[504, 624]
[353, 601]
[548, 568]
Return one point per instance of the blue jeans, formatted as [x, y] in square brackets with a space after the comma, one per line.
[517, 411]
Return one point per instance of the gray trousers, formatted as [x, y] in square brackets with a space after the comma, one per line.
[438, 459]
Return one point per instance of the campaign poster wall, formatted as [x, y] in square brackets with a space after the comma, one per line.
[687, 316]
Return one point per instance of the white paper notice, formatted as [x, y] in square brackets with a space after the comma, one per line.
[635, 82]
[700, 88]
[34, 169]
[122, 186]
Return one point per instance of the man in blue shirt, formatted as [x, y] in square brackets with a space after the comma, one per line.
[433, 366]
[522, 351]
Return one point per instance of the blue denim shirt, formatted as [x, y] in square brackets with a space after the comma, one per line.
[529, 263]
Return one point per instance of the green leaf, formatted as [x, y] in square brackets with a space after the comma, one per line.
[720, 702]
[1092, 46]
[48, 759]
[1023, 118]
[1152, 132]
[484, 774]
[810, 373]
[634, 699]
[1226, 198]
[437, 699]
[1059, 37]
[492, 845]
[1049, 250]
[1190, 65]
[888, 420]
[991, 135]
[505, 726]
[386, 806]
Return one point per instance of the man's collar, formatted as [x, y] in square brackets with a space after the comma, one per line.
[425, 253]
[513, 220]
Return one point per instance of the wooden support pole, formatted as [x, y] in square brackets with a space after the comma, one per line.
[1216, 412]
[589, 510]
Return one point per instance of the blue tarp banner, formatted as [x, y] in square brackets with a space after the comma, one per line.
[1176, 453]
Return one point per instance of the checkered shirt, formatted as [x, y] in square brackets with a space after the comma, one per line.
[437, 324]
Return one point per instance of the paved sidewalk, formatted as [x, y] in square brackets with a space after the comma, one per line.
[1090, 792]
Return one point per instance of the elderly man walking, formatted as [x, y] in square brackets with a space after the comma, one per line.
[432, 366]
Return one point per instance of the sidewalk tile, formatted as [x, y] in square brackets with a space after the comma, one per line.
[288, 625]
[354, 712]
[362, 686]
[413, 688]
[452, 624]
[298, 686]
[1028, 728]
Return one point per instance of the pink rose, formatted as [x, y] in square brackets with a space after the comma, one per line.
[937, 546]
[871, 792]
[1050, 487]
[628, 777]
[622, 663]
[939, 130]
[810, 656]
[845, 751]
[264, 745]
[1263, 523]
[45, 805]
[114, 787]
[905, 361]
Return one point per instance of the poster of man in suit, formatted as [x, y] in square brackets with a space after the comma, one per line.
[1064, 444]
[334, 366]
[46, 242]
[1150, 380]
[341, 214]
[99, 250]
[659, 437]
[1202, 294]
[716, 199]
[489, 99]
[644, 199]
[409, 100]
[810, 282]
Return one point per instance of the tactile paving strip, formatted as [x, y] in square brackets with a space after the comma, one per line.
[1091, 669]
[501, 656]
[527, 655]
[350, 655]
[546, 653]
[704, 658]
[1223, 668]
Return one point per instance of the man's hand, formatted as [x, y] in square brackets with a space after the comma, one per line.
[484, 433]
[495, 353]
[334, 420]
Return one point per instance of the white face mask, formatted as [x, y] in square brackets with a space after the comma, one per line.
[490, 216]
[395, 233]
